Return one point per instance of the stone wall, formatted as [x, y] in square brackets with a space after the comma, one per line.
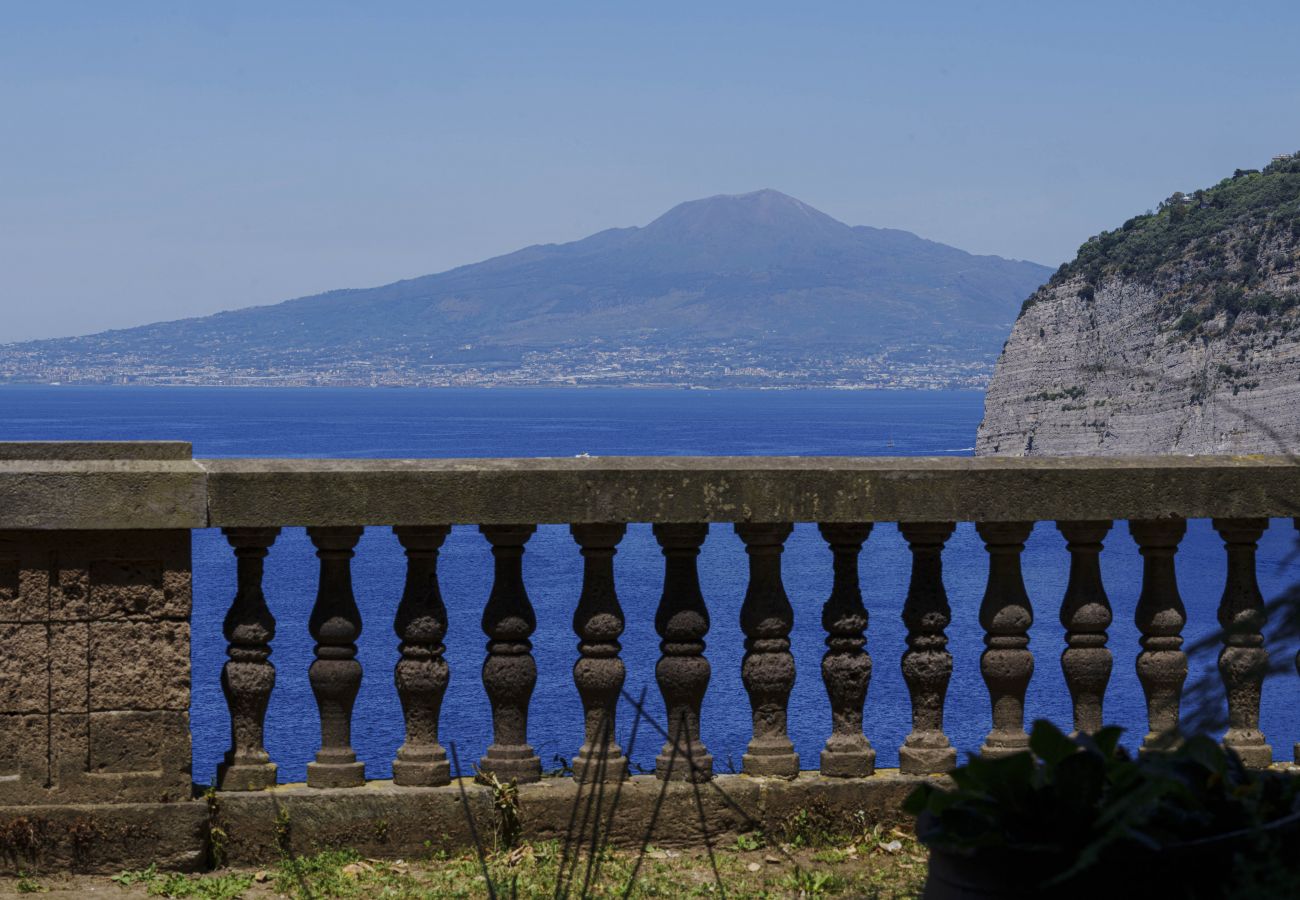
[94, 666]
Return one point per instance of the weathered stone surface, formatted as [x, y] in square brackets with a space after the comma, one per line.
[248, 676]
[128, 742]
[927, 663]
[1243, 663]
[846, 666]
[10, 580]
[673, 813]
[69, 595]
[115, 757]
[335, 674]
[768, 667]
[1005, 615]
[69, 451]
[384, 820]
[1160, 617]
[379, 820]
[139, 665]
[833, 803]
[744, 489]
[1085, 615]
[24, 754]
[140, 575]
[51, 494]
[69, 669]
[23, 676]
[599, 673]
[95, 668]
[103, 838]
[101, 494]
[134, 589]
[509, 671]
[682, 621]
[422, 674]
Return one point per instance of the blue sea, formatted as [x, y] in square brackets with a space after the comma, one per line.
[311, 422]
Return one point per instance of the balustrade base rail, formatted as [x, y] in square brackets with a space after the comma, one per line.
[383, 820]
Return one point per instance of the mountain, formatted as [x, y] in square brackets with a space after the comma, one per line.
[754, 281]
[1178, 332]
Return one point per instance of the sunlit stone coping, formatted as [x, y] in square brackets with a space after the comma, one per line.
[115, 485]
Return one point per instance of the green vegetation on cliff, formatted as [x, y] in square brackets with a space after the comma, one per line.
[1232, 248]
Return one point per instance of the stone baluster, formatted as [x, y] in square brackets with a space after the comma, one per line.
[682, 621]
[509, 672]
[421, 673]
[767, 669]
[1243, 662]
[248, 676]
[927, 664]
[599, 673]
[1005, 615]
[1085, 614]
[1160, 616]
[846, 666]
[335, 676]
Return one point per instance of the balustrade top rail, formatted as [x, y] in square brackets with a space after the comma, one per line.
[156, 485]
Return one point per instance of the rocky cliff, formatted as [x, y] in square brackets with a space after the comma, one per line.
[1177, 333]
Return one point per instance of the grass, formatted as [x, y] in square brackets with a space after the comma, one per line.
[874, 863]
[224, 886]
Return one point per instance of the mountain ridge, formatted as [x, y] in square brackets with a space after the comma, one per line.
[761, 272]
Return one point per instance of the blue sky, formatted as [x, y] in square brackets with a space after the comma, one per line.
[161, 160]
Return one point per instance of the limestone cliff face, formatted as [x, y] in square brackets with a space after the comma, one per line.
[1171, 335]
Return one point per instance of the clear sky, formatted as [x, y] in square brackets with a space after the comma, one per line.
[165, 159]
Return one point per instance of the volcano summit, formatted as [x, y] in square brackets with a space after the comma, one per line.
[755, 288]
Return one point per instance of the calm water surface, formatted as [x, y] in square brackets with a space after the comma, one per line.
[560, 422]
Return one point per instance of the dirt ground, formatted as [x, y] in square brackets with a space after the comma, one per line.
[883, 864]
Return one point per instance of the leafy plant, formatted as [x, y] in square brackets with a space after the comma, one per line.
[27, 885]
[1077, 803]
[747, 842]
[1206, 254]
[175, 884]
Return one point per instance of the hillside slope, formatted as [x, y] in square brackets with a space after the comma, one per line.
[1176, 333]
[759, 270]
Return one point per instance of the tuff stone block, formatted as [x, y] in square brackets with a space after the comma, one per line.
[24, 679]
[69, 670]
[139, 665]
[120, 757]
[94, 666]
[126, 588]
[69, 595]
[24, 755]
[105, 838]
[9, 588]
[130, 742]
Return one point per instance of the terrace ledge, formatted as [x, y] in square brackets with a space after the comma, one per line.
[123, 485]
[257, 492]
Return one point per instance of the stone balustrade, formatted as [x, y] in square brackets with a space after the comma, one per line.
[95, 601]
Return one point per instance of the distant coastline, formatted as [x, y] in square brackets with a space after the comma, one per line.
[730, 291]
[716, 367]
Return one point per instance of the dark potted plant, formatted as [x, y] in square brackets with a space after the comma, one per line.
[1077, 816]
